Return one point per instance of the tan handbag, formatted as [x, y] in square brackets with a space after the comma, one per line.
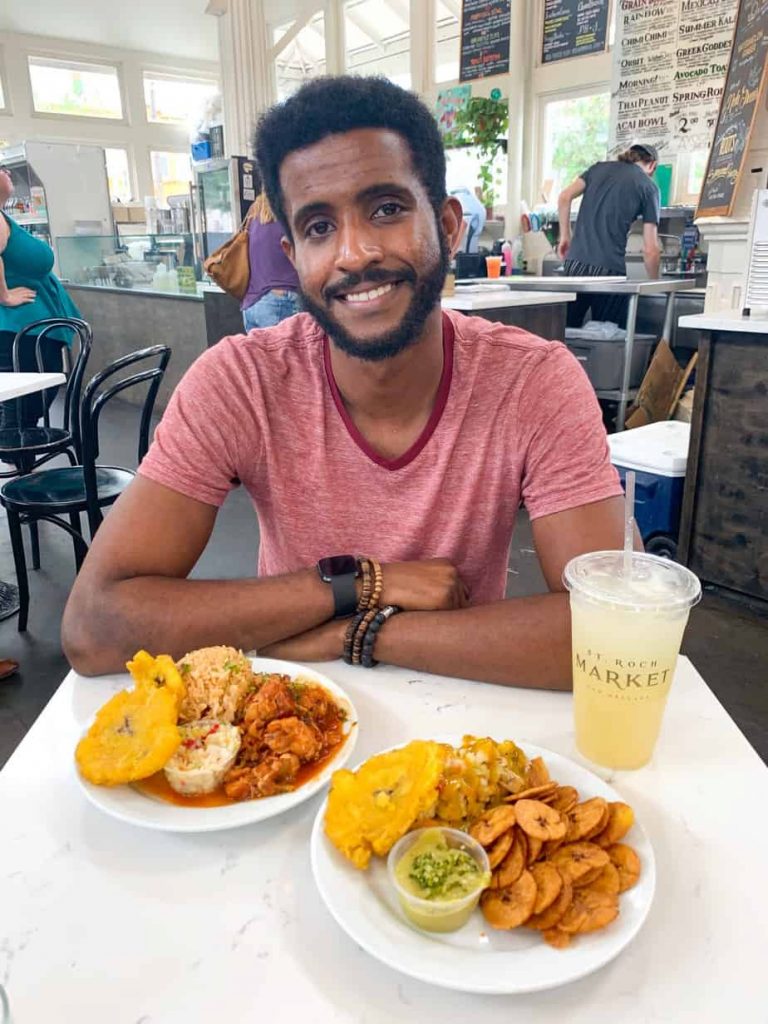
[229, 266]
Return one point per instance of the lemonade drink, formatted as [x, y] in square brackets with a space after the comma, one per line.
[626, 635]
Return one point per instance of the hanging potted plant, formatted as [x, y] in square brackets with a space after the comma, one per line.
[483, 122]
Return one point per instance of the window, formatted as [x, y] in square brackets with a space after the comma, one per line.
[448, 30]
[575, 137]
[462, 170]
[697, 168]
[119, 175]
[303, 57]
[377, 35]
[75, 88]
[172, 100]
[2, 94]
[171, 174]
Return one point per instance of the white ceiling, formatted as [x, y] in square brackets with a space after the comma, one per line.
[180, 28]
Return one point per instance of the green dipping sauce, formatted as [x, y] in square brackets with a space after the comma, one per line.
[449, 880]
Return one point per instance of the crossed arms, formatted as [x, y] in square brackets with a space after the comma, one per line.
[132, 592]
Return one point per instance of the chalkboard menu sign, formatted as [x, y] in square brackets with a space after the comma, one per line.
[484, 39]
[573, 28]
[744, 85]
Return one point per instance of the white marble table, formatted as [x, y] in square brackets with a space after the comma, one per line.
[14, 385]
[474, 299]
[103, 923]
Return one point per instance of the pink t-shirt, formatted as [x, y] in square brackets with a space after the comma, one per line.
[515, 421]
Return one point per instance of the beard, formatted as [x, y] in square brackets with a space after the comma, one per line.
[426, 294]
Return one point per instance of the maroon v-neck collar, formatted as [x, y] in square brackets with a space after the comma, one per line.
[437, 410]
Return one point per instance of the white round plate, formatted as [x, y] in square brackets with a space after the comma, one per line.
[131, 805]
[477, 958]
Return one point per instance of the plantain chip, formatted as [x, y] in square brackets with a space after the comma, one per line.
[535, 792]
[500, 848]
[627, 863]
[513, 864]
[549, 883]
[489, 826]
[607, 880]
[540, 820]
[565, 798]
[510, 907]
[620, 820]
[537, 773]
[549, 917]
[556, 938]
[584, 817]
[133, 736]
[535, 846]
[589, 911]
[577, 859]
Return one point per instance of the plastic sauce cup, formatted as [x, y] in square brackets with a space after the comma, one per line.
[493, 266]
[439, 915]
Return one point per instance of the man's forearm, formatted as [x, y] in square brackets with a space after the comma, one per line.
[652, 262]
[564, 219]
[104, 627]
[522, 641]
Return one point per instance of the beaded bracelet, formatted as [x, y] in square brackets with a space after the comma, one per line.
[367, 659]
[357, 642]
[349, 636]
[372, 584]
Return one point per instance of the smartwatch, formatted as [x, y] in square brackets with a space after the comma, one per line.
[341, 571]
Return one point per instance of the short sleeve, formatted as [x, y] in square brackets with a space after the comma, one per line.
[567, 460]
[586, 175]
[650, 208]
[195, 447]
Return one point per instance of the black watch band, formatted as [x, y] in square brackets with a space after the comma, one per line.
[344, 595]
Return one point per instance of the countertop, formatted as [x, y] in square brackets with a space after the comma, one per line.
[616, 285]
[727, 320]
[469, 301]
[105, 923]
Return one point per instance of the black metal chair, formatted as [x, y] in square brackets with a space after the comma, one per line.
[29, 447]
[52, 493]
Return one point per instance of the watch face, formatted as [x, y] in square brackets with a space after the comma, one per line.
[337, 565]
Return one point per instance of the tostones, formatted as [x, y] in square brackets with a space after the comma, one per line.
[371, 808]
[133, 736]
[157, 672]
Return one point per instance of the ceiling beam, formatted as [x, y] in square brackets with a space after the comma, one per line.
[287, 38]
[365, 28]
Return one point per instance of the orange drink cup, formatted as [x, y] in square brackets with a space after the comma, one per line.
[493, 266]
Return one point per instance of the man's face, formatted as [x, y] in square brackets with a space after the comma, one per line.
[369, 251]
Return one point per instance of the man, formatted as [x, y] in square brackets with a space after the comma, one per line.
[615, 193]
[370, 425]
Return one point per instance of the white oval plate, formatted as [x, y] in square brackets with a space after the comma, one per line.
[477, 958]
[131, 805]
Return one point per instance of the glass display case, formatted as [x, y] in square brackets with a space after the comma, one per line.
[152, 263]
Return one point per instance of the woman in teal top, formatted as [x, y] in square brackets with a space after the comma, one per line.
[29, 291]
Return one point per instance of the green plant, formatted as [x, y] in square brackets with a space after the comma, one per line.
[482, 123]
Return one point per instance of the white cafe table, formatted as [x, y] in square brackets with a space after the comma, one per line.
[15, 385]
[105, 923]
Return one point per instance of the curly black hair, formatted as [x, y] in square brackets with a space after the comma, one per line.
[335, 104]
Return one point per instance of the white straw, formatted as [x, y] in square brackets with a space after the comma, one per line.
[629, 522]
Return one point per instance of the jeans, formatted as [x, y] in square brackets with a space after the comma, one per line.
[271, 308]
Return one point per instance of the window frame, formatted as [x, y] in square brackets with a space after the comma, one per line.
[542, 101]
[7, 107]
[132, 170]
[73, 58]
[162, 147]
[171, 75]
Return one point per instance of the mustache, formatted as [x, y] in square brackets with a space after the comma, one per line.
[375, 275]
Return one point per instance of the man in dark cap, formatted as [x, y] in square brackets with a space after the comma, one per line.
[614, 194]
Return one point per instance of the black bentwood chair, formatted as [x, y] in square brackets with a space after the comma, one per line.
[29, 447]
[72, 490]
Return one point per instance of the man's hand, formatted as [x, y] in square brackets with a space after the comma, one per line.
[431, 585]
[562, 248]
[17, 297]
[324, 643]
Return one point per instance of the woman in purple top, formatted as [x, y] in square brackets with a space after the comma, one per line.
[273, 288]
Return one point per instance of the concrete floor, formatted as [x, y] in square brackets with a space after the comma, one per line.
[727, 645]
